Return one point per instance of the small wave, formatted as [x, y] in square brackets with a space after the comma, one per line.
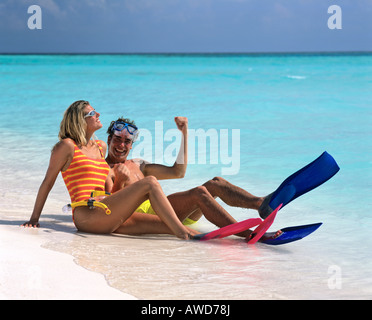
[296, 77]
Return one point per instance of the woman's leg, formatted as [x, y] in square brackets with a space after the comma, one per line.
[122, 205]
[142, 223]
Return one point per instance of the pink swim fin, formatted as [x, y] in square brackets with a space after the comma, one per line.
[229, 230]
[263, 227]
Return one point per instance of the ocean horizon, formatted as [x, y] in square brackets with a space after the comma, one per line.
[196, 53]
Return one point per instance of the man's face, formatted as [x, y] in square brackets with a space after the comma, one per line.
[120, 146]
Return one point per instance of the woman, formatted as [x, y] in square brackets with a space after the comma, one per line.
[81, 161]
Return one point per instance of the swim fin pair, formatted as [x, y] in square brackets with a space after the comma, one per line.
[306, 179]
[287, 235]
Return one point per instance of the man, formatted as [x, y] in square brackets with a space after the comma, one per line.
[189, 205]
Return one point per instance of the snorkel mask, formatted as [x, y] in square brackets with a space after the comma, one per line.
[119, 126]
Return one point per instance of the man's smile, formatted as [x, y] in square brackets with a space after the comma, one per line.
[120, 151]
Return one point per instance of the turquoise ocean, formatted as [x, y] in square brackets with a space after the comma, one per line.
[287, 110]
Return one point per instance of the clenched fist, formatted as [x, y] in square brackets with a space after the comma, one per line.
[182, 124]
[122, 173]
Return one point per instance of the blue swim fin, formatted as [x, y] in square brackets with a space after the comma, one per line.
[302, 181]
[291, 234]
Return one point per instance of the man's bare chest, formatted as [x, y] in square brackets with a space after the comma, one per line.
[135, 174]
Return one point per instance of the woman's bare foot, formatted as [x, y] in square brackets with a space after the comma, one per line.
[272, 235]
[267, 235]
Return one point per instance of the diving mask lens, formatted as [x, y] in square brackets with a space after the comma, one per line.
[120, 126]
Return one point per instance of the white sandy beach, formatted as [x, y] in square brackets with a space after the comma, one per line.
[30, 271]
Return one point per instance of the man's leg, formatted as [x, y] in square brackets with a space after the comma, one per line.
[185, 204]
[231, 194]
[198, 201]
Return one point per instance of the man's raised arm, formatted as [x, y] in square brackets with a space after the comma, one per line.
[178, 169]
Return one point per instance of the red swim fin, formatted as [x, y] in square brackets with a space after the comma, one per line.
[229, 230]
[263, 227]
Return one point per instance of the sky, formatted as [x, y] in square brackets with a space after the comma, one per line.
[185, 26]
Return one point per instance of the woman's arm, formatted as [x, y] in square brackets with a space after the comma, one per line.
[60, 158]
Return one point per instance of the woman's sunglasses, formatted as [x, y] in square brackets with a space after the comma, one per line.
[90, 114]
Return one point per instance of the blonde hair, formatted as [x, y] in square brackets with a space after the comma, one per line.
[73, 124]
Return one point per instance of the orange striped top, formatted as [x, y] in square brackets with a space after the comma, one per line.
[85, 175]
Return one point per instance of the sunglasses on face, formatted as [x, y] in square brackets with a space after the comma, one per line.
[90, 114]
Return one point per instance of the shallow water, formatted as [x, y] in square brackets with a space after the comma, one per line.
[160, 267]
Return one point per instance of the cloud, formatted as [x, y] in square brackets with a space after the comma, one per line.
[48, 5]
[51, 6]
[97, 3]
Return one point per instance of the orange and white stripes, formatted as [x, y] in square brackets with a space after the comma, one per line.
[85, 175]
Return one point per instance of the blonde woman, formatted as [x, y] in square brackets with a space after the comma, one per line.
[84, 169]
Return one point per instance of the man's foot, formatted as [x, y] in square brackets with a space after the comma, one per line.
[265, 210]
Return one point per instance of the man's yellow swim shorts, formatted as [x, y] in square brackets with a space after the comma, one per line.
[146, 207]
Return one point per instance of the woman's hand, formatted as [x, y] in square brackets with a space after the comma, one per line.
[31, 224]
